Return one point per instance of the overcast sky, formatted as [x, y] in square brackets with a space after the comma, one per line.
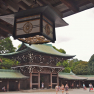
[78, 37]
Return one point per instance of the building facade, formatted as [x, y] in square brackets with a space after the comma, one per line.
[38, 62]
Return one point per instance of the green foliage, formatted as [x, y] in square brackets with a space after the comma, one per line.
[65, 64]
[81, 68]
[6, 46]
[91, 65]
[67, 70]
[73, 63]
[7, 63]
[60, 50]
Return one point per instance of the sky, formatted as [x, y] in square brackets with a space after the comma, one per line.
[77, 38]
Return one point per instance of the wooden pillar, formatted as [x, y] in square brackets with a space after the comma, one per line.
[57, 79]
[19, 85]
[7, 85]
[39, 80]
[79, 84]
[30, 80]
[61, 81]
[51, 80]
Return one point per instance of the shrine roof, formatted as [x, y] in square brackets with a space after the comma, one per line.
[63, 8]
[71, 76]
[42, 48]
[47, 49]
[11, 74]
[89, 77]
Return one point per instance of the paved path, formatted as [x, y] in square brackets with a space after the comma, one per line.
[74, 91]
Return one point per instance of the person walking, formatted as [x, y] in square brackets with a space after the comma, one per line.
[62, 88]
[57, 89]
[66, 88]
[84, 87]
[89, 87]
[42, 85]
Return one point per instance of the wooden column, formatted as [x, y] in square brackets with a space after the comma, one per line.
[30, 80]
[39, 80]
[19, 85]
[7, 85]
[61, 81]
[79, 84]
[51, 80]
[57, 79]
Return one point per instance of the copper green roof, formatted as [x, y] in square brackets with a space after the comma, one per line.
[42, 48]
[89, 77]
[70, 76]
[47, 49]
[11, 74]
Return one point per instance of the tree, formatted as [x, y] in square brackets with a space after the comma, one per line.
[65, 64]
[60, 50]
[6, 63]
[73, 63]
[6, 46]
[81, 68]
[91, 65]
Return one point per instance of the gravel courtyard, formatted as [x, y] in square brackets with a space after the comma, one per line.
[71, 91]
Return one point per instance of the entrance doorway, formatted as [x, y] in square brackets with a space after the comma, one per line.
[45, 78]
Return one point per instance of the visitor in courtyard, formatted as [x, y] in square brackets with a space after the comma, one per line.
[62, 88]
[57, 89]
[90, 87]
[84, 87]
[77, 86]
[4, 89]
[42, 85]
[66, 88]
[72, 86]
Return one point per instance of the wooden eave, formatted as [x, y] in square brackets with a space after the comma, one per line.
[63, 8]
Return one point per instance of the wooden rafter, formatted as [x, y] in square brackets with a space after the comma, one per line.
[6, 28]
[2, 33]
[71, 5]
[45, 2]
[23, 6]
[12, 6]
[92, 1]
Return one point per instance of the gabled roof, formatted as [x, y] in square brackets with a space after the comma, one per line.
[42, 48]
[70, 76]
[89, 77]
[11, 74]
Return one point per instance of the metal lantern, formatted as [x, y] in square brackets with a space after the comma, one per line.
[37, 25]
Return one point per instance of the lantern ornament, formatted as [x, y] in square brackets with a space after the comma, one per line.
[37, 25]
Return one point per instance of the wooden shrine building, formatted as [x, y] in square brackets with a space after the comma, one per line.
[38, 62]
[11, 79]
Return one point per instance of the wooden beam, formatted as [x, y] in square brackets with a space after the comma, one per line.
[39, 80]
[2, 11]
[7, 85]
[71, 5]
[29, 2]
[92, 1]
[30, 80]
[3, 34]
[6, 28]
[58, 3]
[22, 5]
[44, 2]
[12, 6]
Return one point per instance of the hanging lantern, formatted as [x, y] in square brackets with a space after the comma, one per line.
[37, 25]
